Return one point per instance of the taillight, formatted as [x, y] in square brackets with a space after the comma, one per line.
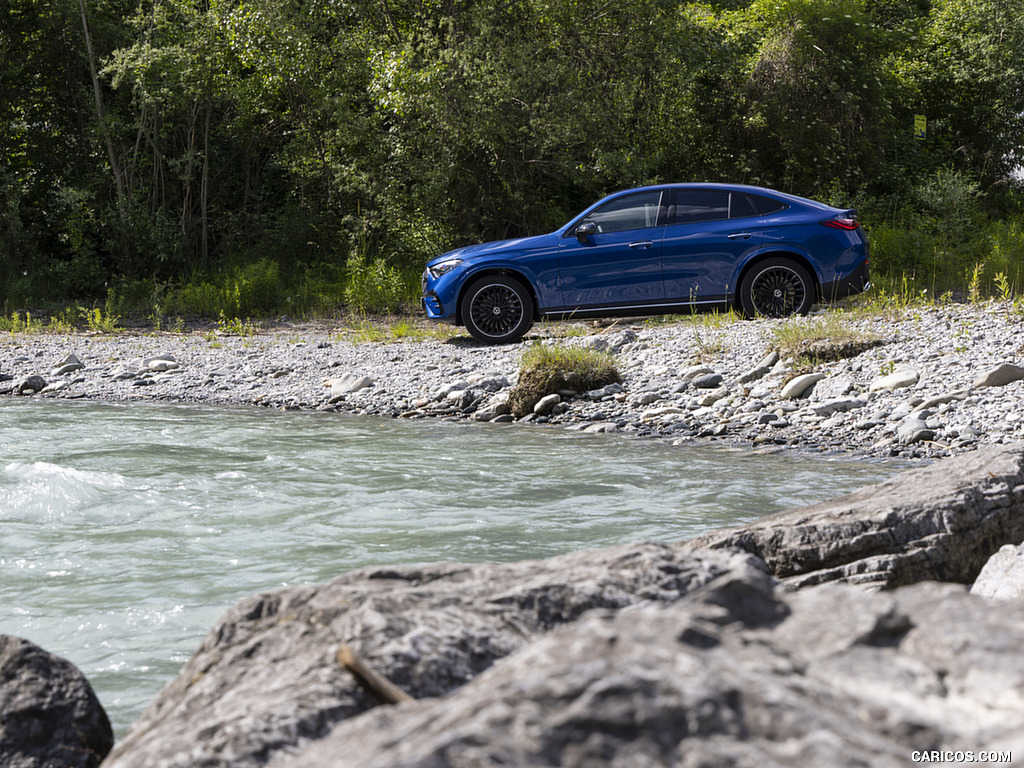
[841, 223]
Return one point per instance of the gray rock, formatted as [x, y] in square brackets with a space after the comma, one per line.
[491, 411]
[267, 682]
[638, 655]
[159, 365]
[707, 380]
[1002, 578]
[611, 343]
[1000, 376]
[761, 369]
[938, 400]
[940, 522]
[49, 714]
[734, 674]
[491, 383]
[906, 377]
[800, 385]
[547, 404]
[913, 430]
[836, 406]
[834, 388]
[694, 371]
[656, 413]
[353, 382]
[645, 398]
[29, 385]
[68, 365]
[606, 391]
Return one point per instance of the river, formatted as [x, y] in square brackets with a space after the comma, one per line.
[128, 529]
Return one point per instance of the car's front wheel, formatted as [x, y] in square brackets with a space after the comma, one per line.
[776, 287]
[497, 309]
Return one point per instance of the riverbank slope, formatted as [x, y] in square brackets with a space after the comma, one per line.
[923, 382]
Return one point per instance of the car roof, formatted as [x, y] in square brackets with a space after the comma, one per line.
[752, 188]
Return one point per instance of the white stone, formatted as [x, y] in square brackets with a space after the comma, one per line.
[547, 404]
[799, 385]
[906, 377]
[1002, 578]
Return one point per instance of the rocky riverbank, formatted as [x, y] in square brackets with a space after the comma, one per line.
[926, 382]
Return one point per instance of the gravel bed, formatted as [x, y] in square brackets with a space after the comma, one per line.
[938, 380]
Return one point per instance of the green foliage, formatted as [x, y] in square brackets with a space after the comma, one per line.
[360, 328]
[375, 287]
[19, 323]
[235, 326]
[342, 144]
[252, 290]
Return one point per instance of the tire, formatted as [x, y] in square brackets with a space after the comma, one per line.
[777, 287]
[497, 310]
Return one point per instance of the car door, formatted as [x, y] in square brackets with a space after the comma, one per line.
[709, 231]
[619, 262]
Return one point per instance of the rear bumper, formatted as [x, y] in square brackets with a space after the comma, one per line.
[857, 281]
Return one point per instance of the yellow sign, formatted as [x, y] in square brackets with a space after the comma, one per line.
[920, 126]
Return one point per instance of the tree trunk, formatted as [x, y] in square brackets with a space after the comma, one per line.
[115, 166]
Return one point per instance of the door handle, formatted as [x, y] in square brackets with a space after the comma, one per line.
[641, 244]
[740, 236]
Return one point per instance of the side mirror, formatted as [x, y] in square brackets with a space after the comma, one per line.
[585, 230]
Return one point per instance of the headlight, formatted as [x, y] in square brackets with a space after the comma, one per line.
[443, 267]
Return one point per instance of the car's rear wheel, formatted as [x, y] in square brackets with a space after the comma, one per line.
[776, 287]
[497, 309]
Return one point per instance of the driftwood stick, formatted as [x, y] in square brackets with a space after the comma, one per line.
[383, 689]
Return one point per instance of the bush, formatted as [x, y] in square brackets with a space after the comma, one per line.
[376, 287]
[251, 291]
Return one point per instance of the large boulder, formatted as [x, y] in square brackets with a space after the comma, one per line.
[737, 674]
[267, 678]
[941, 522]
[49, 714]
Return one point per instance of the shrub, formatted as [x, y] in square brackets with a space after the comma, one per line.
[376, 287]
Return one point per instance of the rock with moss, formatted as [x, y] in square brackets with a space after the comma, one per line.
[549, 369]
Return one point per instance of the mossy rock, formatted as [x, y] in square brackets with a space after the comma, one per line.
[827, 350]
[546, 370]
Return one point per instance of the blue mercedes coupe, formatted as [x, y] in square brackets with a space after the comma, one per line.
[654, 250]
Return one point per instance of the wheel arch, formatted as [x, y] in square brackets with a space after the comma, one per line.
[798, 258]
[512, 274]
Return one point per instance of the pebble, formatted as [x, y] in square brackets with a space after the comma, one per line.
[917, 396]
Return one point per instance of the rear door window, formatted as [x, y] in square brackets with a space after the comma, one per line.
[692, 205]
[765, 205]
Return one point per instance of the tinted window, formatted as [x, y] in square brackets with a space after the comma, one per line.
[741, 207]
[637, 211]
[766, 205]
[701, 205]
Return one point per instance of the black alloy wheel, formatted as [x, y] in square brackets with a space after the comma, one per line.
[497, 310]
[776, 287]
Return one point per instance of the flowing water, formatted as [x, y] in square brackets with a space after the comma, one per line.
[126, 530]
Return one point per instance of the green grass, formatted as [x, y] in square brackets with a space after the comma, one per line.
[362, 328]
[820, 339]
[548, 368]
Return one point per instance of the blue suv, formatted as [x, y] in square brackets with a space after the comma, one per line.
[653, 250]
